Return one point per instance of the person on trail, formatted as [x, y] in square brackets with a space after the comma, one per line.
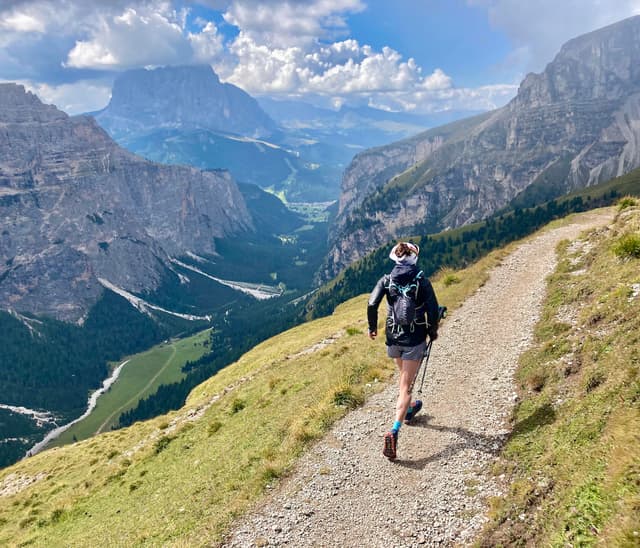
[410, 296]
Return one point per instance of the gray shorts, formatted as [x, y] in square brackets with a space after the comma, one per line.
[413, 353]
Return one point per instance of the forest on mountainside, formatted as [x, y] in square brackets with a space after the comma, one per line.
[46, 364]
[459, 247]
[60, 362]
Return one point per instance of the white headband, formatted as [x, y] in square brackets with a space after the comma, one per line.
[406, 259]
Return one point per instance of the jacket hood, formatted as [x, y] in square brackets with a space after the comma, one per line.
[404, 274]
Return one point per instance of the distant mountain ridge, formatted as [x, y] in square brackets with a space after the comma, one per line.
[185, 115]
[76, 208]
[190, 97]
[574, 125]
[362, 124]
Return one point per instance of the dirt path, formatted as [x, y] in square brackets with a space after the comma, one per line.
[344, 493]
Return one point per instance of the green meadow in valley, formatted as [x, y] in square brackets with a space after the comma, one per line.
[140, 377]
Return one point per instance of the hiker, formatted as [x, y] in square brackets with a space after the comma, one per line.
[409, 296]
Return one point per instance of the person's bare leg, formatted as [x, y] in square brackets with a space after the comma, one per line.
[408, 369]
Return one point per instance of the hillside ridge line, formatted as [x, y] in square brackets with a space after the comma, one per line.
[343, 492]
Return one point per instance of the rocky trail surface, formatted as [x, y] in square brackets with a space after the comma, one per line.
[345, 493]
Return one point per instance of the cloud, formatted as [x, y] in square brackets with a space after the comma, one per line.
[22, 22]
[137, 37]
[207, 44]
[538, 29]
[292, 48]
[340, 68]
[437, 81]
[446, 99]
[347, 71]
[113, 35]
[288, 23]
[77, 98]
[278, 47]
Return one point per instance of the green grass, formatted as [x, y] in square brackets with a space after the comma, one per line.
[627, 246]
[573, 458]
[627, 201]
[139, 378]
[449, 276]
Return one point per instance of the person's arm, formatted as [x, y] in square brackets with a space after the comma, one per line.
[431, 306]
[372, 307]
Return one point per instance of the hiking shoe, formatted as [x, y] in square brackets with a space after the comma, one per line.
[390, 444]
[413, 411]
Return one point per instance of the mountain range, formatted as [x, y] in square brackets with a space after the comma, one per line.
[354, 128]
[86, 224]
[188, 97]
[104, 253]
[185, 115]
[78, 211]
[571, 126]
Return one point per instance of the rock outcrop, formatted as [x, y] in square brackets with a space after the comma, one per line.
[188, 97]
[572, 126]
[75, 207]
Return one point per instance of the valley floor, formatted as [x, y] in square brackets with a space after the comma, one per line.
[345, 493]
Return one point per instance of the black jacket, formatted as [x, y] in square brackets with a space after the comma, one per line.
[426, 303]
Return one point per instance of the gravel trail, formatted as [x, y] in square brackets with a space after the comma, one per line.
[344, 492]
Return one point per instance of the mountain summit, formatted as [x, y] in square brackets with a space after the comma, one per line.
[184, 115]
[189, 97]
[572, 126]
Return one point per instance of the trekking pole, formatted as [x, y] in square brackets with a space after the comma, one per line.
[425, 360]
[442, 313]
[423, 364]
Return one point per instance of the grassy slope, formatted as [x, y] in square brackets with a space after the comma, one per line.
[178, 480]
[573, 459]
[162, 364]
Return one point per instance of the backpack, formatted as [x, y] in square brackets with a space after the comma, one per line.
[404, 301]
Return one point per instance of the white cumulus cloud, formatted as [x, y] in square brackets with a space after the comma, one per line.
[297, 48]
[22, 22]
[207, 44]
[286, 23]
[344, 67]
[132, 39]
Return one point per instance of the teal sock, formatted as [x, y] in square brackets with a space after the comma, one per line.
[396, 426]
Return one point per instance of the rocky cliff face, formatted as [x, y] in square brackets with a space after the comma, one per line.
[188, 97]
[574, 125]
[75, 207]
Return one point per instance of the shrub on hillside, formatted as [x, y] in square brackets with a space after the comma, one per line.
[628, 246]
[449, 277]
[627, 201]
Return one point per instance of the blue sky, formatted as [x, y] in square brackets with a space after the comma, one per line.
[440, 33]
[404, 55]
